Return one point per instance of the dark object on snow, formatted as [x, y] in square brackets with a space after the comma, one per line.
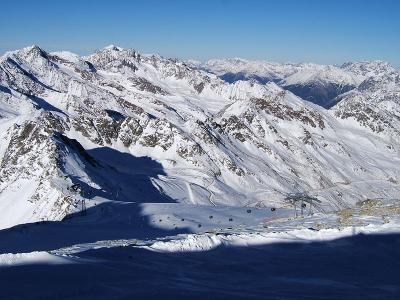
[303, 199]
[273, 208]
[249, 211]
[83, 207]
[230, 219]
[211, 217]
[182, 220]
[199, 225]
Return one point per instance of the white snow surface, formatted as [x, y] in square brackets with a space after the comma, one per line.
[37, 257]
[204, 242]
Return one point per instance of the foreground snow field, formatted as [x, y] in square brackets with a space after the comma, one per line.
[236, 253]
[311, 266]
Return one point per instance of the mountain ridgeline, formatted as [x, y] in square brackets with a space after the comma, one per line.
[319, 84]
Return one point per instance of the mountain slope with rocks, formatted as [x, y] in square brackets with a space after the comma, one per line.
[119, 125]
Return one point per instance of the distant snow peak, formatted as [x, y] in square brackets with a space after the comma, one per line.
[113, 48]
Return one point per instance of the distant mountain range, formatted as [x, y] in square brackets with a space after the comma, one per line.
[125, 126]
[320, 84]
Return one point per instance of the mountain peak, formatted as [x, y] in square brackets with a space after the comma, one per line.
[33, 47]
[112, 47]
[375, 68]
[34, 50]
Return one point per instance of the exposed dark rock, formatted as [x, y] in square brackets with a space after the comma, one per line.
[74, 144]
[146, 86]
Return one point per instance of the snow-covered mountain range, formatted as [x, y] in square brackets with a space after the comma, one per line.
[320, 84]
[121, 125]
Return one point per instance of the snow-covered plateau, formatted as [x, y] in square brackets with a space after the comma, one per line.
[129, 174]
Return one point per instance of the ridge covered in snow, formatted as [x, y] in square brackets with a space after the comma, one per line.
[320, 84]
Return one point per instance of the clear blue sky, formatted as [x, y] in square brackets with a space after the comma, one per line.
[322, 31]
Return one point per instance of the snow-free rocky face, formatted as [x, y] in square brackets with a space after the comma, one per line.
[121, 125]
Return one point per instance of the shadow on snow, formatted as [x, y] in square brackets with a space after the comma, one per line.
[122, 177]
[358, 267]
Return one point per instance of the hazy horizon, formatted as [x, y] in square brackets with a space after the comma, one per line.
[320, 32]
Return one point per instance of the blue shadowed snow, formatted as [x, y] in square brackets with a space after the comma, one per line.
[359, 267]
